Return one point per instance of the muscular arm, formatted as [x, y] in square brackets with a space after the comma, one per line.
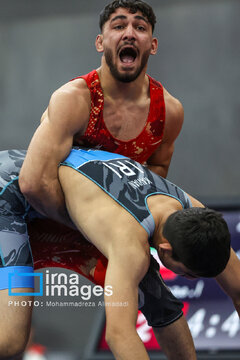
[229, 280]
[124, 242]
[160, 160]
[67, 112]
[124, 274]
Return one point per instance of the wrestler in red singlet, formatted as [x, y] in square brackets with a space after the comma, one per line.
[98, 136]
[54, 245]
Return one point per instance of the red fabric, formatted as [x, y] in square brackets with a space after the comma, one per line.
[97, 134]
[100, 271]
[37, 349]
[55, 245]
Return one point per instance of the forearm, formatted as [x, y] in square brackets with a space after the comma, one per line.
[229, 280]
[124, 278]
[49, 201]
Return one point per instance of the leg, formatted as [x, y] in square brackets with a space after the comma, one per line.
[15, 322]
[176, 340]
[15, 259]
[15, 310]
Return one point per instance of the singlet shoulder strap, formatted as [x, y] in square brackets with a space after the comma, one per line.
[157, 100]
[91, 79]
[97, 100]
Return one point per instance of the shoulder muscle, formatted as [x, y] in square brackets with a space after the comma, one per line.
[69, 107]
[174, 117]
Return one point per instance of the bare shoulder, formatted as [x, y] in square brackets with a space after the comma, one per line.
[195, 202]
[174, 108]
[70, 103]
[174, 116]
[74, 92]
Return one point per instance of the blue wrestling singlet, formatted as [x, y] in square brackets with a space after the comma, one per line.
[130, 184]
[126, 181]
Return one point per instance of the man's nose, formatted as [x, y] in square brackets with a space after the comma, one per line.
[129, 33]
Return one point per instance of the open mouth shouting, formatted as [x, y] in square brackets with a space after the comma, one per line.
[128, 55]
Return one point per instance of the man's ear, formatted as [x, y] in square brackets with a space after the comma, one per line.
[154, 46]
[165, 248]
[99, 43]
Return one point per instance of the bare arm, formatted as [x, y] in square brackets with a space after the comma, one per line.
[160, 160]
[124, 274]
[115, 233]
[67, 112]
[229, 280]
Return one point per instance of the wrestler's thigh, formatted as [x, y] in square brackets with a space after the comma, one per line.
[16, 269]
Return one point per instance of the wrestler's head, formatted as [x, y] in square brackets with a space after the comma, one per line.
[126, 38]
[133, 6]
[196, 242]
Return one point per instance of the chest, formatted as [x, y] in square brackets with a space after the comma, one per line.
[125, 120]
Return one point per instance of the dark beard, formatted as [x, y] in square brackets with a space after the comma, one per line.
[125, 78]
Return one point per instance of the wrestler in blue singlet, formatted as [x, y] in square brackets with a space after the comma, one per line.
[126, 181]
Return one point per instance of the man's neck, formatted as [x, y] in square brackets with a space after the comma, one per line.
[161, 207]
[115, 89]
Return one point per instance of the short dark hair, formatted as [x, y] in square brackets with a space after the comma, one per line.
[132, 5]
[200, 239]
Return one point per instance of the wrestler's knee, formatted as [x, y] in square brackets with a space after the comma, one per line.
[12, 345]
[15, 322]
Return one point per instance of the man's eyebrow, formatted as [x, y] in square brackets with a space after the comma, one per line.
[123, 17]
[139, 17]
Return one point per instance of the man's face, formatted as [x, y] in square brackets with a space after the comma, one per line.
[176, 266]
[127, 43]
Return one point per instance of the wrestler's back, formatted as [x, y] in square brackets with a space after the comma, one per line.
[103, 219]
